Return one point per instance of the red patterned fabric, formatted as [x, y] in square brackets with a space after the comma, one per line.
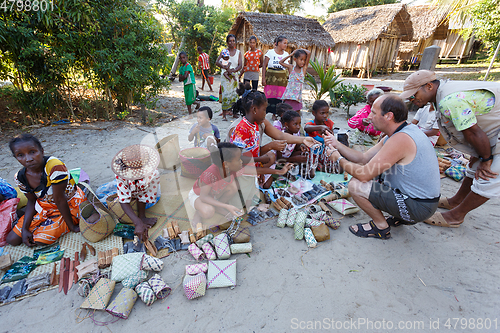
[212, 177]
[203, 61]
[253, 61]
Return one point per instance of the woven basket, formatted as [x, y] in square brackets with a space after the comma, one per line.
[115, 207]
[194, 161]
[96, 231]
[168, 148]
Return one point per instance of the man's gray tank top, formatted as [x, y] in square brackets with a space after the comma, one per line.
[420, 178]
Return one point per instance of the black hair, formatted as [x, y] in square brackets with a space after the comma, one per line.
[393, 103]
[252, 37]
[289, 116]
[200, 49]
[281, 108]
[229, 36]
[226, 152]
[25, 137]
[319, 104]
[242, 87]
[279, 39]
[208, 110]
[182, 53]
[298, 53]
[254, 98]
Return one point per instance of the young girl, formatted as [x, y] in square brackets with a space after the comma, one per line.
[246, 136]
[186, 75]
[292, 153]
[321, 123]
[274, 76]
[138, 179]
[281, 108]
[53, 197]
[293, 91]
[253, 62]
[216, 186]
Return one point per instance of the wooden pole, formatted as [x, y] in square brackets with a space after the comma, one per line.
[492, 61]
[176, 62]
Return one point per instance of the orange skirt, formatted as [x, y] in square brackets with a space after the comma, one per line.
[48, 224]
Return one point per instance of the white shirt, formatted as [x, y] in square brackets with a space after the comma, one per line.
[274, 59]
[427, 121]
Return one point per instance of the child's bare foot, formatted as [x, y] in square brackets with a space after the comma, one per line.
[211, 90]
[149, 221]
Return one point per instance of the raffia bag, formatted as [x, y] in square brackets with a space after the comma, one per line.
[169, 149]
[115, 207]
[95, 229]
[194, 161]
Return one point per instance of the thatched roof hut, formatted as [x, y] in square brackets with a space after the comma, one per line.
[455, 46]
[429, 25]
[301, 32]
[367, 39]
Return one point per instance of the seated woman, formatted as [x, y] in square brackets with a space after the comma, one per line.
[53, 197]
[359, 121]
[216, 185]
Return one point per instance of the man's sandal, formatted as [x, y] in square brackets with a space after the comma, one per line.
[395, 222]
[374, 232]
[443, 203]
[438, 220]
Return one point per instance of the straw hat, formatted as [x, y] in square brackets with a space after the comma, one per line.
[135, 162]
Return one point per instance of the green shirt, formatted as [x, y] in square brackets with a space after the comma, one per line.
[187, 68]
[462, 107]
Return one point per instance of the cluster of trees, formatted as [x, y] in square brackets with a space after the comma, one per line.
[108, 44]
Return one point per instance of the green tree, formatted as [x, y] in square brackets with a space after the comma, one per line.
[338, 5]
[204, 26]
[288, 7]
[110, 43]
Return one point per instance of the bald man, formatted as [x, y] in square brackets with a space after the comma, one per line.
[469, 119]
[399, 175]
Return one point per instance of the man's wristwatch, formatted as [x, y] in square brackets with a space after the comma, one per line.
[482, 159]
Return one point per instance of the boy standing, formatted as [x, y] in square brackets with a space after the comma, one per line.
[204, 66]
[186, 74]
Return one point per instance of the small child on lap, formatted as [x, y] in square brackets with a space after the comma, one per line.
[138, 178]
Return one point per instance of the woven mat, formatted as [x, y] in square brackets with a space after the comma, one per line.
[71, 243]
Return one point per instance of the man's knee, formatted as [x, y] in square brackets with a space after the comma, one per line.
[359, 188]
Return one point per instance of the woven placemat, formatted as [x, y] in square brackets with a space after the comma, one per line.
[71, 243]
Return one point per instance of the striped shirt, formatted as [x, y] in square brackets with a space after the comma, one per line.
[203, 61]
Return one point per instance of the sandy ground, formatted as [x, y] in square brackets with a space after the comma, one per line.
[420, 280]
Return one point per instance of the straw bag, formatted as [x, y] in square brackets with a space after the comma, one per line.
[194, 161]
[115, 207]
[96, 229]
[168, 148]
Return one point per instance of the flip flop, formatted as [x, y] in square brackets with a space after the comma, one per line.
[438, 220]
[443, 203]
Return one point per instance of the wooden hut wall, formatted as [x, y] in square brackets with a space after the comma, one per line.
[454, 46]
[373, 55]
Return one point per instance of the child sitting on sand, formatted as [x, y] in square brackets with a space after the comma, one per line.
[281, 108]
[138, 178]
[321, 124]
[204, 133]
[216, 185]
[53, 197]
[425, 119]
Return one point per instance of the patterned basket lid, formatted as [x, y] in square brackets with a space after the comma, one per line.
[135, 162]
